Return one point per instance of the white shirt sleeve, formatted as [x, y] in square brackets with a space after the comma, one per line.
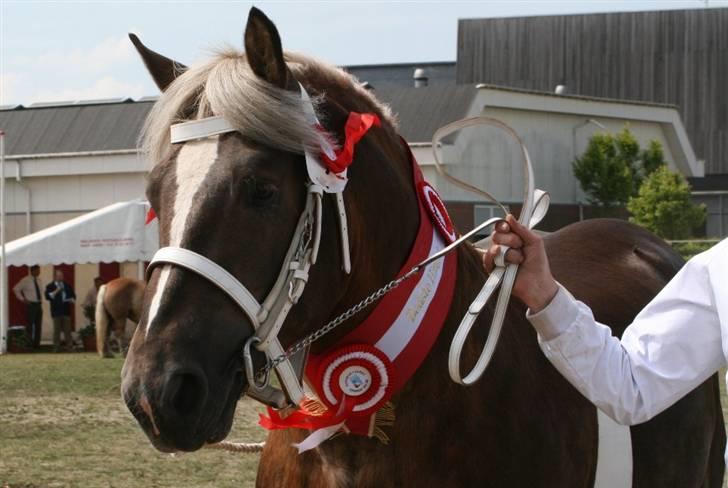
[673, 345]
[18, 289]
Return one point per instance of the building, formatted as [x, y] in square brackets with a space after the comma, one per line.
[675, 57]
[66, 159]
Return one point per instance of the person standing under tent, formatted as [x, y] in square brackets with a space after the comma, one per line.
[27, 290]
[61, 297]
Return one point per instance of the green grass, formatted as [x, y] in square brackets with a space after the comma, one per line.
[63, 424]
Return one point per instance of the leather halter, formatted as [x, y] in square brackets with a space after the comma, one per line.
[268, 317]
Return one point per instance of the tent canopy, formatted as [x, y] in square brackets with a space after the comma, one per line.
[115, 233]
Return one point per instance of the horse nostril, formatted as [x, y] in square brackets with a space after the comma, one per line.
[186, 392]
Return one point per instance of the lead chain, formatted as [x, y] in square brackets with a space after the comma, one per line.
[318, 334]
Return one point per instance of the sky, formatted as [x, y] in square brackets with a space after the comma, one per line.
[79, 50]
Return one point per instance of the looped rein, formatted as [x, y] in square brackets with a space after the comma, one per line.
[535, 206]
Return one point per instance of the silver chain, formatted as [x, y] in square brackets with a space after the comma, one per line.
[318, 334]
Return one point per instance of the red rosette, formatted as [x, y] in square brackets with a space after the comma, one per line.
[438, 213]
[359, 371]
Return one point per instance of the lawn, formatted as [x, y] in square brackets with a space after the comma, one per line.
[63, 424]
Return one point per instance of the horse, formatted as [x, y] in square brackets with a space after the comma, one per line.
[236, 197]
[118, 300]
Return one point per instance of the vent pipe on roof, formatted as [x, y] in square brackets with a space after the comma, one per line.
[560, 89]
[420, 78]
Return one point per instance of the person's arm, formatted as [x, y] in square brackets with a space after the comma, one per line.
[50, 291]
[18, 290]
[673, 345]
[71, 294]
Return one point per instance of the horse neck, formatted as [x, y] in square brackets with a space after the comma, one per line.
[431, 387]
[383, 218]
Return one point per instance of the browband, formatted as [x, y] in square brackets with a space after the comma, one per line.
[198, 129]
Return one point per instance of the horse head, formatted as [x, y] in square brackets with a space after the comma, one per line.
[236, 199]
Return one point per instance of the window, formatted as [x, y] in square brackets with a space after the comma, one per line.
[481, 213]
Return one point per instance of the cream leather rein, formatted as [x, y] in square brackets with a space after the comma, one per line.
[535, 206]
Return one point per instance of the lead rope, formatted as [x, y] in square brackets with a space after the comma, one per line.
[239, 447]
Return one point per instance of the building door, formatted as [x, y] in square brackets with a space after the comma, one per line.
[109, 271]
[16, 308]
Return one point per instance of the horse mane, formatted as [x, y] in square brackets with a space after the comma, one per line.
[226, 86]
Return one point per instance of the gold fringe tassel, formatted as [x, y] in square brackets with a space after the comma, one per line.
[384, 417]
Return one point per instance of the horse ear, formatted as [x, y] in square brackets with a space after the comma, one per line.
[263, 49]
[162, 69]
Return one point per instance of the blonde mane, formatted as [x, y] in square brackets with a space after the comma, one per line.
[226, 86]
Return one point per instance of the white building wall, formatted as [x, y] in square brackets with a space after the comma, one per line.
[491, 160]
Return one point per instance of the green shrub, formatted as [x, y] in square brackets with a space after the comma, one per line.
[663, 206]
[689, 249]
[612, 168]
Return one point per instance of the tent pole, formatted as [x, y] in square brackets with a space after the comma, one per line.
[3, 268]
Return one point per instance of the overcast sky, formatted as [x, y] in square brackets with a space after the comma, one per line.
[64, 50]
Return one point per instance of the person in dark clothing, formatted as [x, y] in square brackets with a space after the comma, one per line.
[27, 291]
[61, 297]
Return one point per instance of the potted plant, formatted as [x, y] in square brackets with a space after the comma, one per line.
[18, 340]
[88, 336]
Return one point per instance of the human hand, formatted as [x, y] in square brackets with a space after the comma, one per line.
[534, 285]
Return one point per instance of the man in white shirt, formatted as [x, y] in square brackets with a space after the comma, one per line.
[27, 290]
[673, 345]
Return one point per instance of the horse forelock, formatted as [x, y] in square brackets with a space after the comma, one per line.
[226, 86]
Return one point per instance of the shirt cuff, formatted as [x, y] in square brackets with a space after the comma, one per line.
[556, 317]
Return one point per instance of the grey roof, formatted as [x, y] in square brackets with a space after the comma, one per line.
[422, 111]
[77, 127]
[86, 127]
[379, 75]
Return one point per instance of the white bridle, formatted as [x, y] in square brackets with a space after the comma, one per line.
[268, 317]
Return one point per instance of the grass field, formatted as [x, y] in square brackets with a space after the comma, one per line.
[63, 424]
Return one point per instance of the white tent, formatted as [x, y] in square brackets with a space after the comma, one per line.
[115, 233]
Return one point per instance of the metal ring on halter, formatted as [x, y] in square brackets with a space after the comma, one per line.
[500, 259]
[250, 372]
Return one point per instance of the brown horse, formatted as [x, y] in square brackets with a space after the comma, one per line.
[235, 198]
[118, 300]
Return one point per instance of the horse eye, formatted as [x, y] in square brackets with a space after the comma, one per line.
[260, 193]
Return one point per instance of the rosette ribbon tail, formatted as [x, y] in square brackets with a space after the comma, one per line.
[323, 427]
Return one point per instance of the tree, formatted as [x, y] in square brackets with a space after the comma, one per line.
[612, 168]
[663, 206]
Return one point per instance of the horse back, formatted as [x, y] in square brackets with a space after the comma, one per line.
[611, 265]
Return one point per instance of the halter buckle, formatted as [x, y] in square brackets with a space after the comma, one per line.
[250, 373]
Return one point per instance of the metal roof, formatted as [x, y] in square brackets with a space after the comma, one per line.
[91, 126]
[377, 75]
[74, 128]
[421, 111]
